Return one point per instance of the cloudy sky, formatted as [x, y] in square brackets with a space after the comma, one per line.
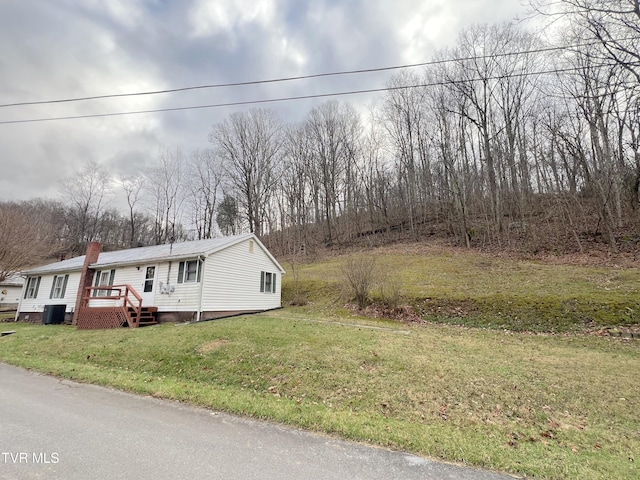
[60, 49]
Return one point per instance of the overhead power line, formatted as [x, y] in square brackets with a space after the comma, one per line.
[300, 77]
[300, 97]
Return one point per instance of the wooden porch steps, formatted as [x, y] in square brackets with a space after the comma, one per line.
[148, 316]
[113, 306]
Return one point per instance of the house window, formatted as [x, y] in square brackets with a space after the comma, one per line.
[59, 286]
[103, 278]
[33, 284]
[189, 272]
[267, 282]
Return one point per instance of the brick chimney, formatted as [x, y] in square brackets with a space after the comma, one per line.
[86, 277]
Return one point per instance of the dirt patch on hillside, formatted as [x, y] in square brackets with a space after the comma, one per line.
[402, 313]
[211, 346]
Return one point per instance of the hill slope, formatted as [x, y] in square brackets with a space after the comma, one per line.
[442, 284]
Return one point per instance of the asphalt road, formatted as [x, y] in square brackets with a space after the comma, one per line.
[58, 429]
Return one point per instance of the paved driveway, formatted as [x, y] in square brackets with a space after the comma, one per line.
[58, 429]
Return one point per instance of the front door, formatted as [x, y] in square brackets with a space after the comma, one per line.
[148, 286]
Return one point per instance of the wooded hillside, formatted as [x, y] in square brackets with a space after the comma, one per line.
[511, 139]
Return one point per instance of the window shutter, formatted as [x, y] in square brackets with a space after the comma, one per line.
[181, 272]
[96, 283]
[64, 286]
[273, 283]
[262, 281]
[35, 295]
[53, 286]
[199, 270]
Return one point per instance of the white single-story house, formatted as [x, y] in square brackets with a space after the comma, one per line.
[10, 290]
[189, 281]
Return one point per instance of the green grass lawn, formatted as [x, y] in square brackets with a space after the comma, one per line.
[559, 406]
[538, 405]
[467, 288]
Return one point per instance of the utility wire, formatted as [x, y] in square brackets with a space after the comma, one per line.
[301, 97]
[301, 77]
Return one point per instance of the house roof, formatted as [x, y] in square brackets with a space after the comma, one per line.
[165, 252]
[13, 281]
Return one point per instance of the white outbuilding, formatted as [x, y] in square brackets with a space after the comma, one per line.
[10, 289]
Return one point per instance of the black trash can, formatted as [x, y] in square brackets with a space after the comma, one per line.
[53, 314]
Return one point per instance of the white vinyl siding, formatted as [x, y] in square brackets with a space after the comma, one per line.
[44, 292]
[10, 294]
[130, 275]
[185, 297]
[228, 280]
[232, 279]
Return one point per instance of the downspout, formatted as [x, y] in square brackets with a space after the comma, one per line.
[201, 264]
[22, 293]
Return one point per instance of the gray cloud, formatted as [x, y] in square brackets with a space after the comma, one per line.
[69, 49]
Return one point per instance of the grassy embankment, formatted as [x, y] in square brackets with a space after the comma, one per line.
[476, 290]
[548, 406]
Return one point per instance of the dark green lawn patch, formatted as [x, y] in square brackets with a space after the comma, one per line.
[520, 314]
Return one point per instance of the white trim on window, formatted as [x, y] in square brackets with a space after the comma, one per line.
[268, 282]
[190, 271]
[33, 284]
[59, 286]
[103, 278]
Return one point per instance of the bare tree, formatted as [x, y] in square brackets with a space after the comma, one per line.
[449, 143]
[28, 236]
[377, 174]
[332, 131]
[614, 24]
[295, 190]
[405, 116]
[599, 136]
[85, 194]
[484, 145]
[250, 143]
[493, 93]
[205, 178]
[166, 186]
[473, 78]
[132, 187]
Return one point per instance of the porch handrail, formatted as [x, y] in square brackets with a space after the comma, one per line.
[124, 293]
